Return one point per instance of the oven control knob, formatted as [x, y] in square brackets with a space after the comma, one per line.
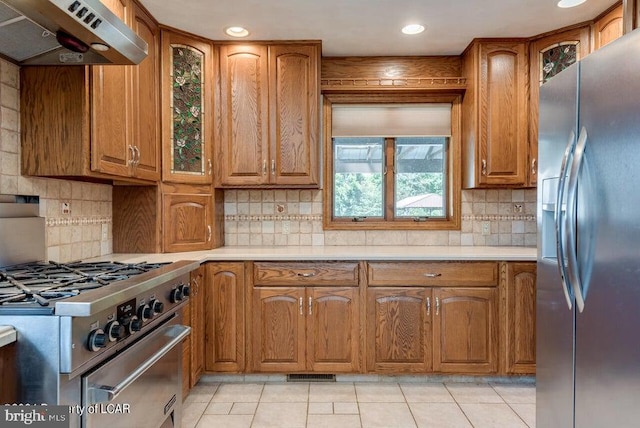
[176, 295]
[145, 312]
[97, 340]
[135, 324]
[186, 290]
[115, 331]
[157, 306]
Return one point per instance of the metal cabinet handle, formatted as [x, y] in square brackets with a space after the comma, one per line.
[534, 168]
[209, 233]
[273, 167]
[105, 393]
[210, 164]
[428, 306]
[137, 156]
[484, 167]
[300, 306]
[310, 305]
[306, 274]
[133, 156]
[437, 306]
[432, 275]
[264, 167]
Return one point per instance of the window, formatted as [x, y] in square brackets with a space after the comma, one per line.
[392, 166]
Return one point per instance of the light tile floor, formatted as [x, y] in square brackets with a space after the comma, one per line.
[360, 405]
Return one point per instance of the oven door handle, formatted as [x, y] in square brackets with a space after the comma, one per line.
[106, 393]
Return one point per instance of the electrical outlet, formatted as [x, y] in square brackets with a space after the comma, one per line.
[105, 232]
[517, 208]
[486, 228]
[286, 227]
[66, 208]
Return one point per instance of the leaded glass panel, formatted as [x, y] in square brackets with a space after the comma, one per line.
[187, 136]
[556, 58]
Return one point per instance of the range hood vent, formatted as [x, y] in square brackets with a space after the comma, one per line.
[72, 32]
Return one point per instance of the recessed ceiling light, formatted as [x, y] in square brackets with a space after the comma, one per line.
[236, 31]
[570, 3]
[413, 29]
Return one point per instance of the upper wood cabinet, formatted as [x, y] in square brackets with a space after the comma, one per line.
[608, 27]
[187, 109]
[269, 134]
[94, 121]
[495, 113]
[548, 56]
[191, 219]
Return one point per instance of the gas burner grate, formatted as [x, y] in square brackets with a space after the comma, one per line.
[41, 283]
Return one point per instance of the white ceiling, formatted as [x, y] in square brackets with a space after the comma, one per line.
[372, 27]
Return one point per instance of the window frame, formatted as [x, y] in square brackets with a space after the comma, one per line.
[454, 166]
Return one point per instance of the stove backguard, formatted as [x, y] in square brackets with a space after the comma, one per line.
[22, 232]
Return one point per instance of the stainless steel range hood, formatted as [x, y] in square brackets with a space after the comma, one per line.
[72, 32]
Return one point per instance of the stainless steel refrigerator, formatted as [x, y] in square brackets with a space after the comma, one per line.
[588, 289]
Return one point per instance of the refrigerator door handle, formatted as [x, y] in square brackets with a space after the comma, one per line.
[571, 219]
[559, 220]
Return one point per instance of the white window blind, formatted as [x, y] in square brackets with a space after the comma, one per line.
[391, 120]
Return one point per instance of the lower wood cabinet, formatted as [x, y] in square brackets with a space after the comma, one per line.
[519, 333]
[399, 330]
[225, 317]
[302, 329]
[465, 325]
[422, 330]
[8, 374]
[186, 353]
[196, 302]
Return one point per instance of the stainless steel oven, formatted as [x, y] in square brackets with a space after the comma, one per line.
[141, 386]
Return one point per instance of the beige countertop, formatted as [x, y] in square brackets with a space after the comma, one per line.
[336, 253]
[7, 335]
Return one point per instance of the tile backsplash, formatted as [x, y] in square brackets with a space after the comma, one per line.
[294, 217]
[73, 235]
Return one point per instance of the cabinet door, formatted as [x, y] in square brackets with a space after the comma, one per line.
[465, 330]
[608, 28]
[110, 109]
[225, 316]
[521, 318]
[333, 329]
[503, 113]
[187, 222]
[278, 329]
[187, 124]
[145, 113]
[186, 353]
[548, 56]
[242, 155]
[196, 302]
[399, 330]
[294, 109]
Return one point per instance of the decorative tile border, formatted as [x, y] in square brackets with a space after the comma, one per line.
[303, 217]
[496, 217]
[273, 217]
[78, 221]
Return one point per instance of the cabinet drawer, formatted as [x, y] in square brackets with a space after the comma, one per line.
[301, 274]
[433, 273]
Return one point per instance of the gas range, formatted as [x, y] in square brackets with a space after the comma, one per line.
[92, 334]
